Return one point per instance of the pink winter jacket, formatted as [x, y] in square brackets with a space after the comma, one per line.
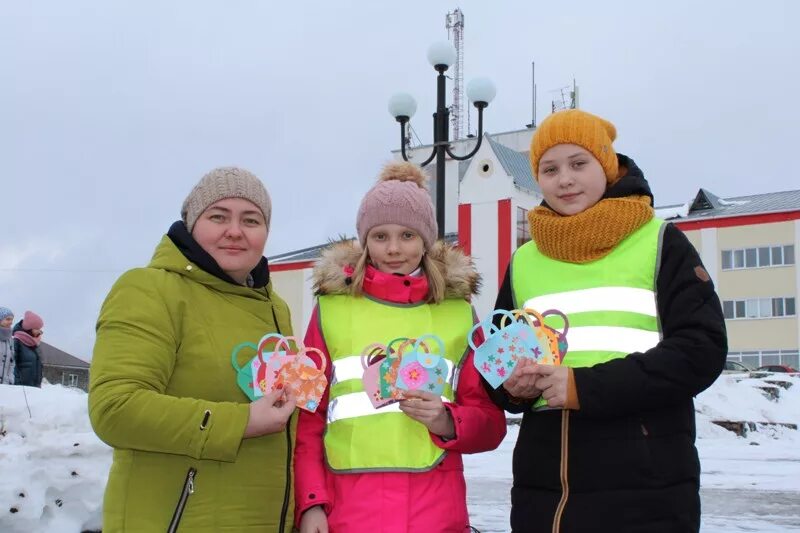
[395, 502]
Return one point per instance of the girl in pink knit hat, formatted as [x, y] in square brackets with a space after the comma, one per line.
[27, 336]
[395, 467]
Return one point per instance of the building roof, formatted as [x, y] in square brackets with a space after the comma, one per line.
[52, 356]
[305, 254]
[314, 252]
[516, 164]
[707, 205]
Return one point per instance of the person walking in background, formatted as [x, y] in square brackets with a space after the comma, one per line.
[27, 337]
[7, 362]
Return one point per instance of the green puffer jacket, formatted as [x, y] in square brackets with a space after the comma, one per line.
[163, 394]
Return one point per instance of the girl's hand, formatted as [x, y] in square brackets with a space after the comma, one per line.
[428, 409]
[314, 520]
[270, 413]
[553, 382]
[522, 381]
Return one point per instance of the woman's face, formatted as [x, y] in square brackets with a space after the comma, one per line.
[233, 231]
[36, 332]
[395, 249]
[7, 321]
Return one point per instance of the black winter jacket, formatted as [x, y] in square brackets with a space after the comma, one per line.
[630, 463]
[29, 367]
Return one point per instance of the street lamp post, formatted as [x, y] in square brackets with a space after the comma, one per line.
[402, 106]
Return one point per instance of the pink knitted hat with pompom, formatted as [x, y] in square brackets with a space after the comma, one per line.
[399, 197]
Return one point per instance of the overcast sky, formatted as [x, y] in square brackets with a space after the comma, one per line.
[111, 111]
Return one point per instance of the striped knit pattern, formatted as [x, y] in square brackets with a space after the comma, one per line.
[574, 126]
[589, 235]
[221, 183]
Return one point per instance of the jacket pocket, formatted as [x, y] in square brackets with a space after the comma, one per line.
[188, 490]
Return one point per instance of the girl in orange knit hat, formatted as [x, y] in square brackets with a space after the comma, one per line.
[607, 438]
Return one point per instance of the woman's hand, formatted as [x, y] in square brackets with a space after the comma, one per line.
[428, 409]
[270, 413]
[314, 520]
[522, 381]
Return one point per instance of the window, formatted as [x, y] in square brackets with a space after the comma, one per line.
[738, 259]
[727, 259]
[727, 309]
[752, 308]
[69, 380]
[758, 308]
[777, 255]
[765, 307]
[756, 359]
[761, 257]
[770, 358]
[523, 230]
[750, 258]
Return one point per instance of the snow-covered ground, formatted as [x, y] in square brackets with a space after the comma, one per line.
[53, 468]
[748, 484]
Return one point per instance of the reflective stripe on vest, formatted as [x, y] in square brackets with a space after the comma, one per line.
[610, 302]
[358, 437]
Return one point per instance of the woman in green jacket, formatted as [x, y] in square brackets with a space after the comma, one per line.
[190, 450]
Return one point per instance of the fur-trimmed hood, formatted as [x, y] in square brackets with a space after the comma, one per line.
[330, 277]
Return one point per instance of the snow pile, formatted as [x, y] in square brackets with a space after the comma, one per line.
[53, 468]
[738, 398]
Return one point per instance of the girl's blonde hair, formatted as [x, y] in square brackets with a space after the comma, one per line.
[432, 269]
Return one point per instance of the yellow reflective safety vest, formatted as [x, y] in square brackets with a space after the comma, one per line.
[610, 303]
[358, 437]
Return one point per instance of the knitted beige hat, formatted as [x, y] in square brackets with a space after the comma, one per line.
[399, 197]
[221, 183]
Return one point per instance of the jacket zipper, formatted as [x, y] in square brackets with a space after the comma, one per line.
[563, 470]
[288, 484]
[188, 489]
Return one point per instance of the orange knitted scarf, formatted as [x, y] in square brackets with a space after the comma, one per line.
[591, 234]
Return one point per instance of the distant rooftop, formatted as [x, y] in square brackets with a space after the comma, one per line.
[707, 205]
[52, 356]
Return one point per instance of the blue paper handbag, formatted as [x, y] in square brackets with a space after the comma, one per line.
[503, 347]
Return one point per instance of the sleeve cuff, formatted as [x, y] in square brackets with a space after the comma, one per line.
[572, 392]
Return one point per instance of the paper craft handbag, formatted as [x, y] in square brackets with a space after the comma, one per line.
[253, 377]
[381, 364]
[503, 347]
[261, 374]
[556, 340]
[372, 358]
[422, 368]
[301, 376]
